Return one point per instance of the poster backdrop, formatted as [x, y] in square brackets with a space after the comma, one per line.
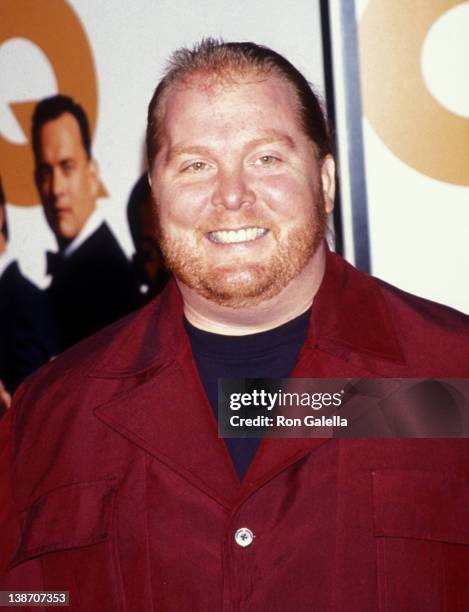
[415, 95]
[109, 56]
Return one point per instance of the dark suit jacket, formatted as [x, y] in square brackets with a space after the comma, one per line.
[28, 337]
[92, 288]
[123, 494]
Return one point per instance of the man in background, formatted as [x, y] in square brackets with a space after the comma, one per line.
[148, 268]
[28, 337]
[91, 281]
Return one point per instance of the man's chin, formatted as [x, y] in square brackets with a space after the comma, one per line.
[237, 288]
[242, 284]
[63, 231]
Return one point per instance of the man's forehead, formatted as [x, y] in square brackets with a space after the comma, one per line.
[267, 91]
[215, 85]
[64, 122]
[63, 132]
[218, 80]
[270, 111]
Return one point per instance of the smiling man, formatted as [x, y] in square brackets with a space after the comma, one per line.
[240, 195]
[91, 282]
[134, 502]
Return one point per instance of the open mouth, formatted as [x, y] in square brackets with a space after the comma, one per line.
[246, 234]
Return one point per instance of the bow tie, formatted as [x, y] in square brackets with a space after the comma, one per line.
[54, 263]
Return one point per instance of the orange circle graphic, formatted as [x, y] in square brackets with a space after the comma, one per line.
[402, 111]
[55, 28]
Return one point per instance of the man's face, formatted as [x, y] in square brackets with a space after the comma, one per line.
[238, 189]
[66, 179]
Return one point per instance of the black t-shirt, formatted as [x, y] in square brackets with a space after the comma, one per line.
[269, 354]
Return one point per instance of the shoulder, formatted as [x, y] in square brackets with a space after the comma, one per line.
[55, 411]
[105, 237]
[101, 246]
[21, 296]
[77, 362]
[121, 350]
[415, 311]
[372, 317]
[57, 402]
[98, 265]
[433, 337]
[15, 280]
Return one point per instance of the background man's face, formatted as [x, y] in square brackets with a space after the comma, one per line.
[238, 189]
[66, 179]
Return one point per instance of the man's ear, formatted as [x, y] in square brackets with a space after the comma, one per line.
[93, 173]
[328, 181]
[153, 201]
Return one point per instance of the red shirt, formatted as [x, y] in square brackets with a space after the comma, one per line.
[122, 493]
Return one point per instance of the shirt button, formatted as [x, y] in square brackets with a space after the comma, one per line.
[244, 537]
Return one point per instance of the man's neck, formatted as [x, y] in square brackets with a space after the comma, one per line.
[290, 303]
[91, 225]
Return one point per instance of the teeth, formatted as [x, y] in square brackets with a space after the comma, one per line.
[234, 236]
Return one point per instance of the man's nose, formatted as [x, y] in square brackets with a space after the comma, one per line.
[58, 182]
[232, 190]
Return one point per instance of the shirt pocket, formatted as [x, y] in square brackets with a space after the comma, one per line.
[69, 532]
[421, 526]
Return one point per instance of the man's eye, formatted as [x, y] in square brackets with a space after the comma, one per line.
[67, 167]
[266, 160]
[197, 166]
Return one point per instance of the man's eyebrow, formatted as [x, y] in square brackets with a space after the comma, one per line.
[274, 137]
[190, 150]
[63, 160]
